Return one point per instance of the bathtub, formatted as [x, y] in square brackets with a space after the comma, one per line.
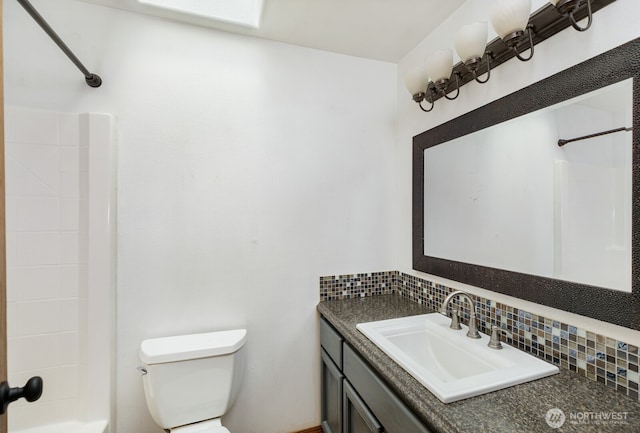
[69, 427]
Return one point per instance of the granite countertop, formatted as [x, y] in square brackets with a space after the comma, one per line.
[521, 408]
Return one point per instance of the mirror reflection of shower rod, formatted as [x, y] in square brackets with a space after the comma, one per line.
[562, 142]
[92, 80]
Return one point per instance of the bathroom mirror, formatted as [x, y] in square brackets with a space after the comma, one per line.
[499, 205]
[514, 199]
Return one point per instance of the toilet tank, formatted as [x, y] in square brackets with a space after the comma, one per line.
[192, 378]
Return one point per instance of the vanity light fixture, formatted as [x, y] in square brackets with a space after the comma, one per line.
[568, 7]
[439, 66]
[514, 23]
[510, 20]
[470, 42]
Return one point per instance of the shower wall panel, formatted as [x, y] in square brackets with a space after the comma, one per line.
[46, 175]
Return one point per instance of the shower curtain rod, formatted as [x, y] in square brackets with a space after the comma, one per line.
[562, 142]
[92, 80]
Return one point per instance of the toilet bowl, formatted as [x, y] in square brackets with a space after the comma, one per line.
[190, 381]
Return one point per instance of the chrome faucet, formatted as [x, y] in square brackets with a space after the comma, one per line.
[473, 327]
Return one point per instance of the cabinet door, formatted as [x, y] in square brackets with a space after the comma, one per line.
[392, 412]
[357, 416]
[332, 382]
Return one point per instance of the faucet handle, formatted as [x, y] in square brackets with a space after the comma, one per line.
[455, 319]
[494, 342]
[473, 326]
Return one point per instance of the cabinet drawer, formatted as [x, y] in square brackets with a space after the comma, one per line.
[381, 400]
[331, 341]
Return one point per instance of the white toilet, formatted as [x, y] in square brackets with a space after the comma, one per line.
[190, 381]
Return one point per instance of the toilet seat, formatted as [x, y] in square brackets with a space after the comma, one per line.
[210, 426]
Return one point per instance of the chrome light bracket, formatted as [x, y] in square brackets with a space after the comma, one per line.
[569, 7]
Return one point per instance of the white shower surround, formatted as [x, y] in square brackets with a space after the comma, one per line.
[61, 247]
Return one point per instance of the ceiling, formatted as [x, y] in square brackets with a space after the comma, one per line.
[376, 29]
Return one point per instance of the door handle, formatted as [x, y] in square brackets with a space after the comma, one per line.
[31, 391]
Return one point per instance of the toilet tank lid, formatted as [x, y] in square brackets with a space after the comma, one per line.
[193, 346]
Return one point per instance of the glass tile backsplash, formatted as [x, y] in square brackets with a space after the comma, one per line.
[597, 357]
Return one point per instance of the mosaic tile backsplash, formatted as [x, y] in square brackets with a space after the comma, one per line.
[597, 357]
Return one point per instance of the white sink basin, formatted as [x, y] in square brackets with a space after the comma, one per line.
[447, 362]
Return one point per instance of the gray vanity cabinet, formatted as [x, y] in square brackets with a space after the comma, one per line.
[354, 398]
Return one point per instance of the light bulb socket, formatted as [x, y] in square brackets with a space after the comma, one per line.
[473, 63]
[441, 85]
[512, 39]
[418, 97]
[567, 7]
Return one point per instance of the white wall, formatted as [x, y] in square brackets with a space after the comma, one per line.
[247, 169]
[613, 26]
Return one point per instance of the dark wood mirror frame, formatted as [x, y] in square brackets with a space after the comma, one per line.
[620, 308]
